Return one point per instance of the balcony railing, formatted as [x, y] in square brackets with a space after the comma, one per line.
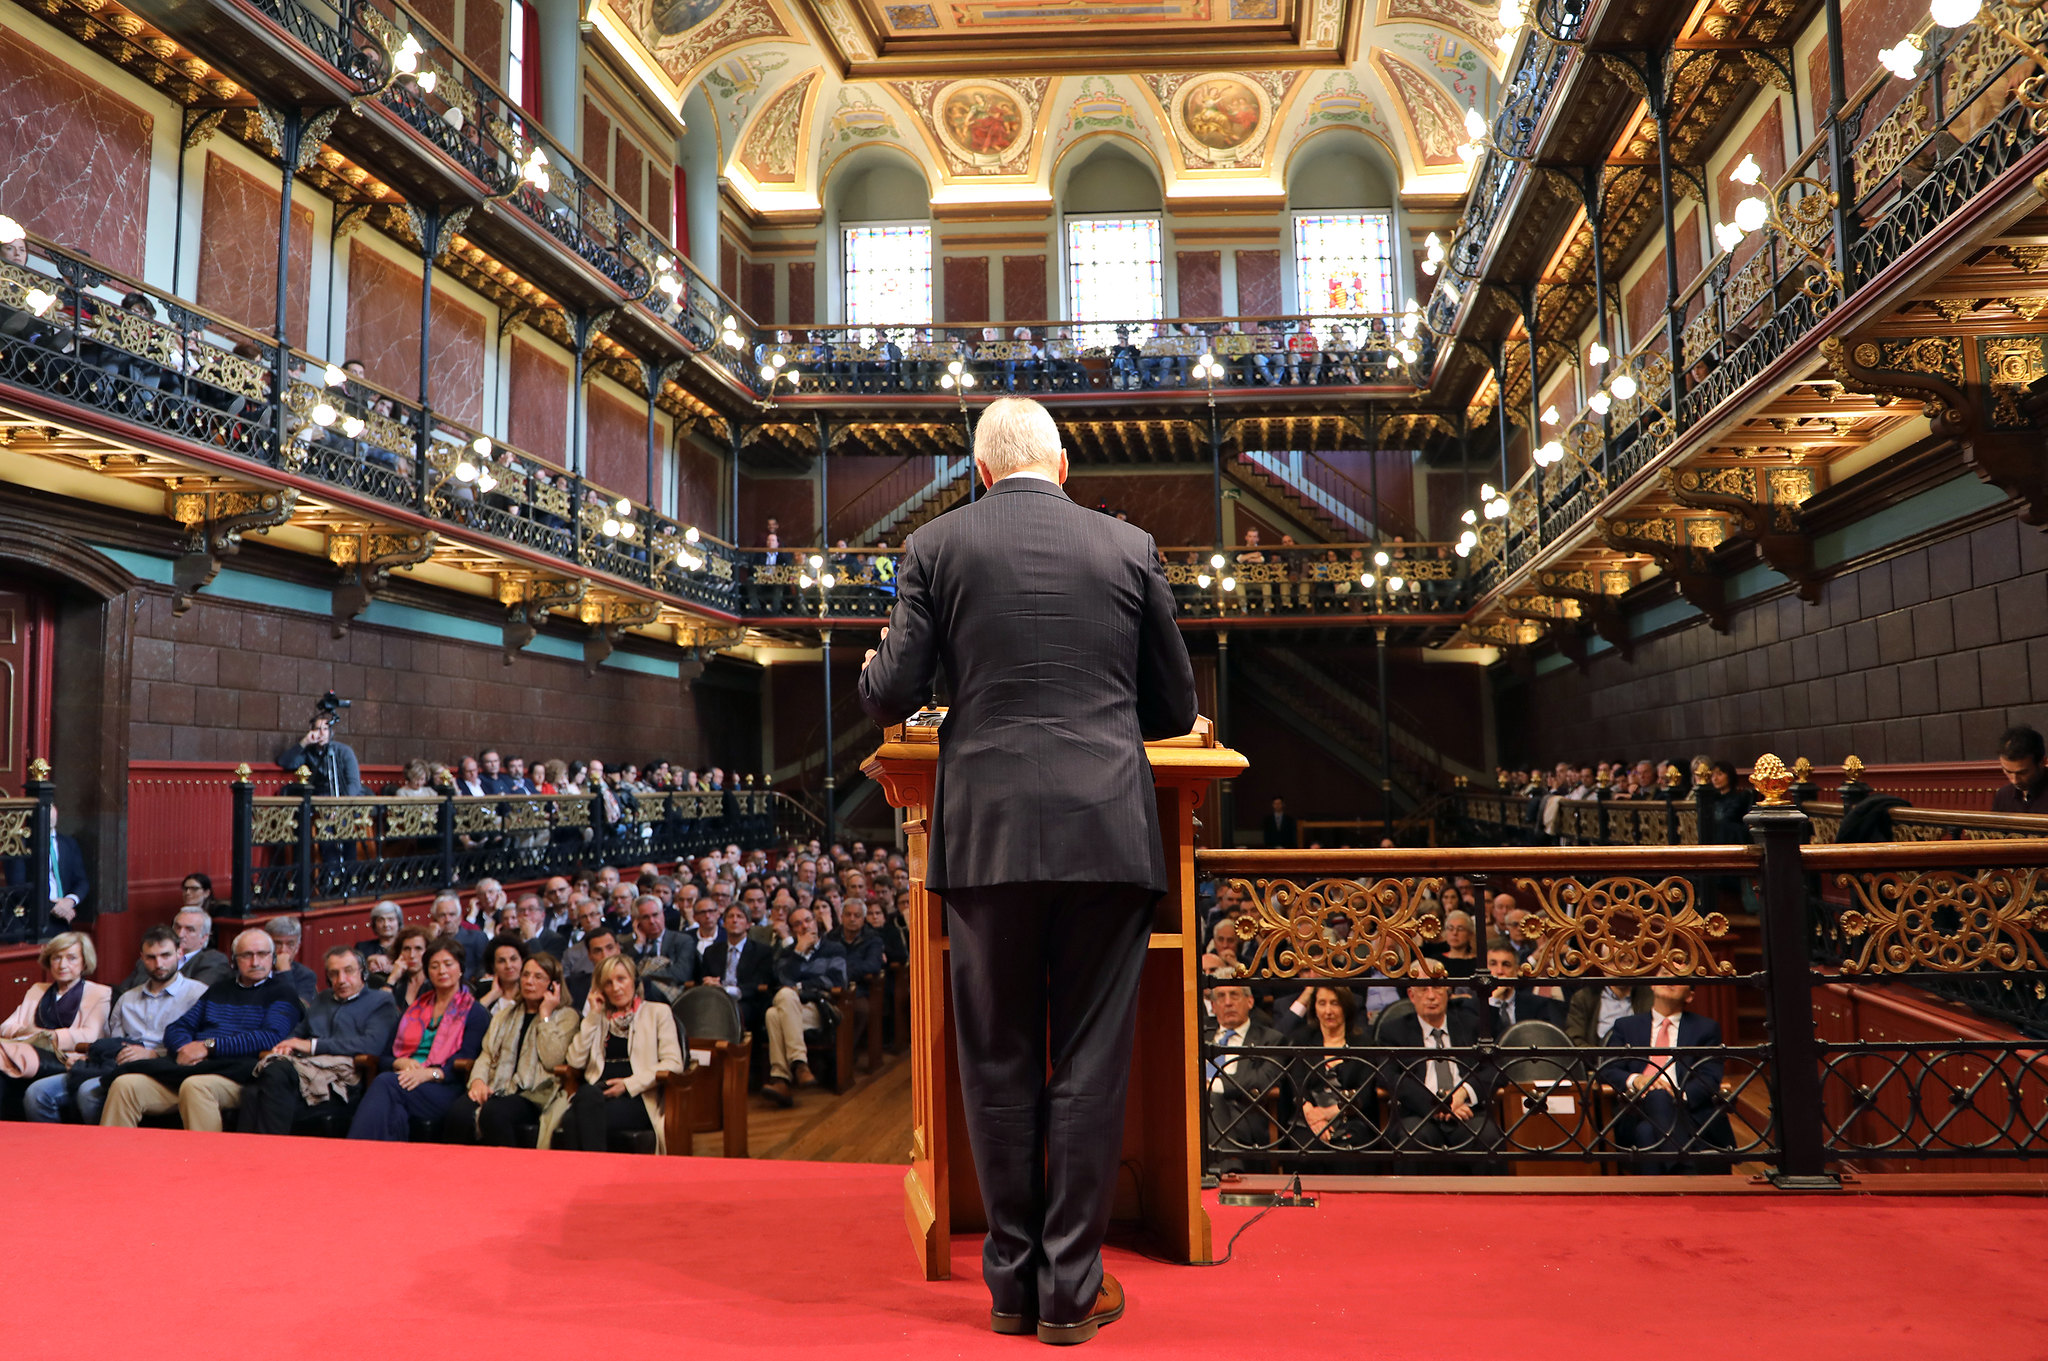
[1320, 349]
[294, 850]
[1326, 579]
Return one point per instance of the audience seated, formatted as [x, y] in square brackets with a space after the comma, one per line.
[443, 1027]
[744, 968]
[1238, 1086]
[666, 960]
[1337, 1098]
[600, 944]
[408, 976]
[1591, 1015]
[1437, 1102]
[211, 1050]
[134, 1030]
[513, 1079]
[197, 959]
[624, 1043]
[386, 920]
[285, 933]
[66, 1010]
[1675, 1093]
[1509, 1001]
[315, 1067]
[805, 974]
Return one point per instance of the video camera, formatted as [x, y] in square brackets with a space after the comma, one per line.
[329, 708]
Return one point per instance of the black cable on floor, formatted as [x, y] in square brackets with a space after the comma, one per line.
[1229, 1247]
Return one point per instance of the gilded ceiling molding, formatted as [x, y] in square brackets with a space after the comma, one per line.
[669, 43]
[1475, 25]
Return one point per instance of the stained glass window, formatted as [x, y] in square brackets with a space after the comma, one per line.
[1112, 275]
[889, 275]
[1344, 262]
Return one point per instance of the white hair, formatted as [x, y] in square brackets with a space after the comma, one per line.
[1016, 433]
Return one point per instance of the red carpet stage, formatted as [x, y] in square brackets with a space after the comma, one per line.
[166, 1244]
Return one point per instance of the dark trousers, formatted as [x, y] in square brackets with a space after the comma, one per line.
[1037, 965]
[595, 1117]
[501, 1122]
[272, 1104]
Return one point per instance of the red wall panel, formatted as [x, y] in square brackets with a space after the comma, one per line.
[1258, 283]
[966, 287]
[1024, 297]
[538, 421]
[74, 157]
[803, 292]
[238, 252]
[1201, 282]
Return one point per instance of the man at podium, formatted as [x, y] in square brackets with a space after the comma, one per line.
[1055, 628]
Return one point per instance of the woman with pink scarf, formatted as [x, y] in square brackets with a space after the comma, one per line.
[443, 1026]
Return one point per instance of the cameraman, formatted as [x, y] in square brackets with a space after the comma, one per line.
[333, 763]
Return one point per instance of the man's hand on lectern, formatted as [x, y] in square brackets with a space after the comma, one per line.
[871, 652]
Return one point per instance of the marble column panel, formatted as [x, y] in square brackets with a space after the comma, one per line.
[728, 268]
[238, 251]
[661, 194]
[1644, 306]
[1024, 288]
[629, 172]
[538, 421]
[966, 287]
[803, 292]
[456, 359]
[384, 319]
[1868, 26]
[440, 14]
[597, 141]
[1200, 273]
[1258, 283]
[483, 28]
[74, 157]
[617, 443]
[1766, 142]
[700, 491]
[791, 500]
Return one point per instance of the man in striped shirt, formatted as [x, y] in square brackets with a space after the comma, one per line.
[212, 1048]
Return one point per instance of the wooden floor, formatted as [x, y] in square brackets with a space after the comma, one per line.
[868, 1123]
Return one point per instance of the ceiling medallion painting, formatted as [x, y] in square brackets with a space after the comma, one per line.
[1216, 115]
[674, 39]
[979, 126]
[1222, 119]
[980, 122]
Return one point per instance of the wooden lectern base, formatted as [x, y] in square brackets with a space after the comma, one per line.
[1163, 1118]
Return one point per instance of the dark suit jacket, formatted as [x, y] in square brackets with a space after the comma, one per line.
[209, 966]
[756, 976]
[70, 873]
[1528, 1007]
[1055, 628]
[679, 950]
[1280, 833]
[1699, 1079]
[1404, 1076]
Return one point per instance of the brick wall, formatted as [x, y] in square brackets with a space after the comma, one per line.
[228, 681]
[1926, 656]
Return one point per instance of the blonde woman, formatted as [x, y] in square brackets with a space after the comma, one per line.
[60, 1013]
[514, 1076]
[625, 1043]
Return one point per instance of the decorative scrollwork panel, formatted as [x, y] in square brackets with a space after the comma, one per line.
[1945, 920]
[1336, 928]
[275, 824]
[1621, 927]
[16, 827]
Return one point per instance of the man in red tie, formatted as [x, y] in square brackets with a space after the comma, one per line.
[1671, 1097]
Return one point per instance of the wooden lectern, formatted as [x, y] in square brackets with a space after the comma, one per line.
[1163, 1120]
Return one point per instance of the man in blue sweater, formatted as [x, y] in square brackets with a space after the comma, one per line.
[345, 1021]
[213, 1047]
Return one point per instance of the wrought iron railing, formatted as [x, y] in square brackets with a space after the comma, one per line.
[1325, 579]
[1303, 350]
[1754, 1075]
[294, 850]
[26, 824]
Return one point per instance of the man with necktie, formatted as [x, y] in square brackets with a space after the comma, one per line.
[1055, 628]
[1442, 1098]
[68, 885]
[1672, 1097]
[1238, 1122]
[1512, 1003]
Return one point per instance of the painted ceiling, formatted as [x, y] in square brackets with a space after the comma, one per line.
[988, 96]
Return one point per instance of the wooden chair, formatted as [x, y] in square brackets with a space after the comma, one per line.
[829, 1049]
[721, 1049]
[673, 1090]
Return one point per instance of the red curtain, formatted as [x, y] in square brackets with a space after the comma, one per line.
[529, 70]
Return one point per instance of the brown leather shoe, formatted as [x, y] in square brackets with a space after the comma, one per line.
[1109, 1307]
[1010, 1325]
[776, 1090]
[803, 1075]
